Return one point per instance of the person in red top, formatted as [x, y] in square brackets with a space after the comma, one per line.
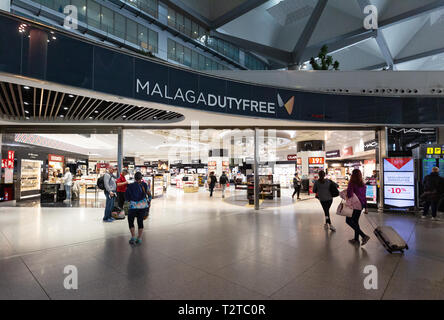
[122, 184]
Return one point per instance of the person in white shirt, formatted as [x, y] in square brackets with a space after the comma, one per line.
[67, 181]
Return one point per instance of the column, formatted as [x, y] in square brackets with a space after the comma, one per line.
[120, 149]
[256, 170]
[381, 153]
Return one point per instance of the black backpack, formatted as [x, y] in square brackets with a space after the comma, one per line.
[101, 183]
[223, 180]
[333, 189]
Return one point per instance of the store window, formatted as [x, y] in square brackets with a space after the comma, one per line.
[59, 5]
[194, 60]
[201, 62]
[187, 57]
[187, 27]
[153, 41]
[81, 9]
[107, 20]
[142, 36]
[171, 48]
[119, 25]
[93, 14]
[149, 6]
[195, 30]
[171, 18]
[179, 53]
[131, 31]
[253, 63]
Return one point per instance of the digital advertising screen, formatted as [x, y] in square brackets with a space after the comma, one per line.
[399, 182]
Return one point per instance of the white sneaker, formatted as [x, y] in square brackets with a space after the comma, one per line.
[332, 228]
[435, 219]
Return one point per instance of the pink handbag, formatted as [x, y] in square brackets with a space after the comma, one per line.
[352, 202]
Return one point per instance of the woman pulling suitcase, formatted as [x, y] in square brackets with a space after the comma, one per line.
[357, 186]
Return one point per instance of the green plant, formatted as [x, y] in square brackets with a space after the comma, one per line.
[325, 61]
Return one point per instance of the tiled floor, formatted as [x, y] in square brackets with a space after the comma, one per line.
[201, 248]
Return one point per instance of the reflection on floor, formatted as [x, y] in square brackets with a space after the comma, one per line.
[201, 248]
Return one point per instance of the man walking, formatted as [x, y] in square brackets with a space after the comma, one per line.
[110, 193]
[223, 180]
[433, 188]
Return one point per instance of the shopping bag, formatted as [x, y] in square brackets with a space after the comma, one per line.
[344, 210]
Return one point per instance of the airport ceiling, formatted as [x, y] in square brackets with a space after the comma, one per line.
[31, 105]
[410, 33]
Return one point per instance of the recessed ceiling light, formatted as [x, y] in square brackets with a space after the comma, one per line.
[26, 111]
[96, 111]
[26, 103]
[54, 38]
[26, 87]
[27, 118]
[61, 116]
[124, 116]
[65, 108]
[71, 96]
[91, 117]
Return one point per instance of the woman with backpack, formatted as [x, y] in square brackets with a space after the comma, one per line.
[323, 188]
[357, 186]
[139, 197]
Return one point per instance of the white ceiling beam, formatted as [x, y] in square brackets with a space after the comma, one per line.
[308, 31]
[359, 35]
[380, 39]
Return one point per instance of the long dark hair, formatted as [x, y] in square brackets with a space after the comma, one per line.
[321, 176]
[356, 178]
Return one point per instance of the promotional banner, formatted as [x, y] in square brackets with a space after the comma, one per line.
[399, 178]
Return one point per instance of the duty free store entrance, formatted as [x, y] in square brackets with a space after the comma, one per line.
[181, 159]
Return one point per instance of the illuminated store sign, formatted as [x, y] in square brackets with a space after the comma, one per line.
[370, 145]
[207, 99]
[316, 160]
[333, 154]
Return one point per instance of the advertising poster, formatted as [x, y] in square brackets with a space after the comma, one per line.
[399, 182]
[370, 194]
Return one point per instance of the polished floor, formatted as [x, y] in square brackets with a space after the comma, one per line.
[201, 248]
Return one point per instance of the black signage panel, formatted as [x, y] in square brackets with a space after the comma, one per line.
[104, 81]
[333, 154]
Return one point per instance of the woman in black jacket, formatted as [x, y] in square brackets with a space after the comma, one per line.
[212, 182]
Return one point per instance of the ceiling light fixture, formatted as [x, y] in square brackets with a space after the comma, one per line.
[26, 87]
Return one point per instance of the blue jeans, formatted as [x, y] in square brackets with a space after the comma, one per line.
[68, 192]
[108, 206]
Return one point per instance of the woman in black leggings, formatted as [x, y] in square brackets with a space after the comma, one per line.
[136, 194]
